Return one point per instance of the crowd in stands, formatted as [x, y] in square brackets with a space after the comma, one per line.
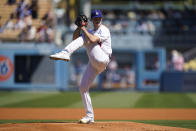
[177, 61]
[45, 33]
[119, 22]
[22, 19]
[113, 77]
[116, 77]
[190, 65]
[136, 21]
[145, 21]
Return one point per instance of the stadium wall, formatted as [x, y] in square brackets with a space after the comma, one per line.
[27, 66]
[178, 82]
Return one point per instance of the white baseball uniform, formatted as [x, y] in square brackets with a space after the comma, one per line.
[98, 54]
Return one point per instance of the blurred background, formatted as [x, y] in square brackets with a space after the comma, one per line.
[153, 41]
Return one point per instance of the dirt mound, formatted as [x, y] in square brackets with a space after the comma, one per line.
[98, 126]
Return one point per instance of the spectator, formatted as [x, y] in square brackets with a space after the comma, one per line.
[177, 61]
[41, 33]
[23, 36]
[27, 19]
[9, 23]
[31, 33]
[180, 63]
[25, 12]
[153, 15]
[111, 75]
[79, 68]
[60, 16]
[20, 24]
[49, 34]
[142, 27]
[132, 15]
[49, 19]
[45, 34]
[130, 75]
[34, 8]
[117, 27]
[28, 33]
[110, 15]
[161, 15]
[151, 28]
[21, 7]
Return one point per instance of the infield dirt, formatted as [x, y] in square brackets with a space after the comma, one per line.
[100, 114]
[99, 126]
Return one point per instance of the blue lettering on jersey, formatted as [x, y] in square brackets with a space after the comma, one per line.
[99, 32]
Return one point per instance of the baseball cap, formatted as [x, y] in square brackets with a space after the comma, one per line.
[96, 13]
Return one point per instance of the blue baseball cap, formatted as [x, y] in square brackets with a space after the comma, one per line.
[96, 14]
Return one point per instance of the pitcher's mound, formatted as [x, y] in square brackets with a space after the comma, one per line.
[98, 126]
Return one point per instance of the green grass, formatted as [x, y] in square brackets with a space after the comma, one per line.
[178, 123]
[99, 99]
[52, 100]
[7, 98]
[166, 100]
[112, 99]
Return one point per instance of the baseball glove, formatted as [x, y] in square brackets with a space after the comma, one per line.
[81, 20]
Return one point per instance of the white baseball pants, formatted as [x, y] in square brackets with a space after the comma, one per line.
[98, 61]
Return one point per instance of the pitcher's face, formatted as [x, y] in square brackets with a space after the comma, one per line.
[97, 21]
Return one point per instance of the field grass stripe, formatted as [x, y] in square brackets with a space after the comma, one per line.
[17, 97]
[60, 99]
[165, 100]
[192, 96]
[112, 100]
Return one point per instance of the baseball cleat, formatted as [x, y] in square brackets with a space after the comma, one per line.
[86, 120]
[63, 55]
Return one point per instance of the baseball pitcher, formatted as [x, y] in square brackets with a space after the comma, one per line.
[97, 42]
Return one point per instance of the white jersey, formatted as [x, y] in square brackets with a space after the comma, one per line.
[105, 38]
